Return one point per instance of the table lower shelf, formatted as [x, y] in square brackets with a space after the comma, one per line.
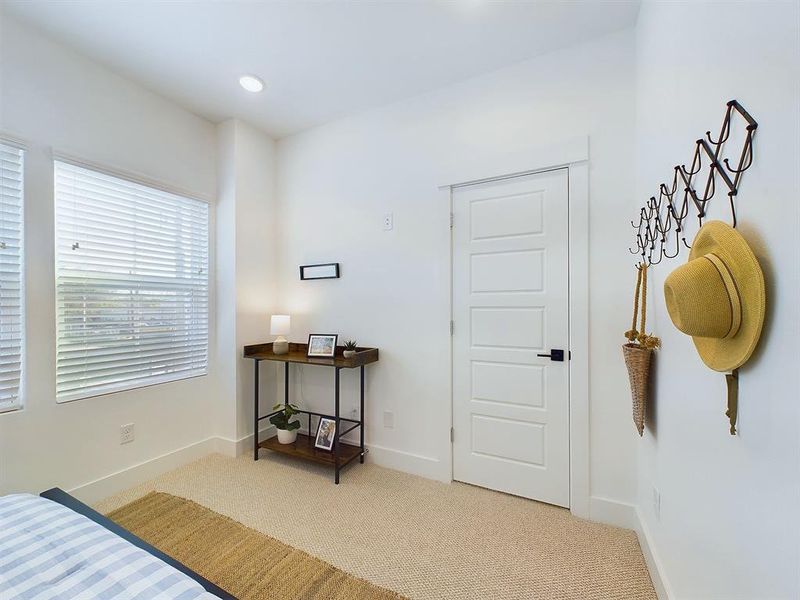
[304, 448]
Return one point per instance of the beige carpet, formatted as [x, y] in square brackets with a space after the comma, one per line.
[421, 538]
[242, 561]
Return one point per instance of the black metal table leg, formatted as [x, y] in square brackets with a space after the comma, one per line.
[286, 383]
[336, 432]
[361, 416]
[255, 412]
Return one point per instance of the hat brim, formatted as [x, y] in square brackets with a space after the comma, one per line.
[728, 244]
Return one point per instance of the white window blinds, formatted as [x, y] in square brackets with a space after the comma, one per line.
[131, 284]
[11, 296]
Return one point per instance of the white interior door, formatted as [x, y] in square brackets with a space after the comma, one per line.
[510, 305]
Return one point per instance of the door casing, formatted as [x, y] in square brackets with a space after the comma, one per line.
[574, 156]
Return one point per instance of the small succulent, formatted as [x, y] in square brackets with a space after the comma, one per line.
[350, 345]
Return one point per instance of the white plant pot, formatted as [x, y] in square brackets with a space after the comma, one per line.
[349, 353]
[287, 437]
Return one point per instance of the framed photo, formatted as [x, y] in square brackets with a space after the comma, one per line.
[322, 345]
[324, 271]
[326, 431]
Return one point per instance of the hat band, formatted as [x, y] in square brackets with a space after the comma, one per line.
[733, 293]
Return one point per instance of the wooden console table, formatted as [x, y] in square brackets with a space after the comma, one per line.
[343, 454]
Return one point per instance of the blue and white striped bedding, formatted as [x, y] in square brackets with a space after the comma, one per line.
[49, 551]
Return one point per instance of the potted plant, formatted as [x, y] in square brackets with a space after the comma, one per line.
[349, 349]
[287, 429]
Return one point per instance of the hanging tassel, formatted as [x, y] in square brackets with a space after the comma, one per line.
[732, 380]
[650, 341]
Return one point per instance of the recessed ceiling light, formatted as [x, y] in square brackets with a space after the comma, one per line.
[251, 83]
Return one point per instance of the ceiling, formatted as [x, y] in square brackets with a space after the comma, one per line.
[320, 60]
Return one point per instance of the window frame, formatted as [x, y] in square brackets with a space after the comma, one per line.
[153, 186]
[19, 403]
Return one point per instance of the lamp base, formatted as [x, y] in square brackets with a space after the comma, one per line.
[280, 346]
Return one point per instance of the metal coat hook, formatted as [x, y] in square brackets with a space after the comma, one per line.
[661, 232]
[677, 249]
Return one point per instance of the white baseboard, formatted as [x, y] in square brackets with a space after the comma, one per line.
[94, 491]
[235, 448]
[654, 564]
[407, 462]
[230, 447]
[612, 512]
[629, 516]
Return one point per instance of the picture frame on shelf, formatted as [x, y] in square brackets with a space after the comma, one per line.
[322, 345]
[326, 433]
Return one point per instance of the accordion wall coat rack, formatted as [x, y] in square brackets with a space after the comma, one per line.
[661, 228]
[734, 290]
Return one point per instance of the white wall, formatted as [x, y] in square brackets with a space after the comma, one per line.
[728, 526]
[730, 522]
[335, 183]
[225, 282]
[246, 264]
[52, 98]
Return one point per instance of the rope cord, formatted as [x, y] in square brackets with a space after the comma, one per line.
[631, 334]
[640, 336]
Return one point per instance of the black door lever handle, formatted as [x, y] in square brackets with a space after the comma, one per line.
[555, 355]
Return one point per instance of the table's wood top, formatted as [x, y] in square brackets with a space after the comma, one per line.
[298, 354]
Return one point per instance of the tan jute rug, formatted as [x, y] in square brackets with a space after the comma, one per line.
[242, 561]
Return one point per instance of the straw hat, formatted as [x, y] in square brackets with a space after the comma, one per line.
[718, 297]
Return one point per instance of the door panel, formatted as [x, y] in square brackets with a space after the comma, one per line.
[497, 438]
[510, 303]
[506, 216]
[509, 327]
[517, 271]
[508, 383]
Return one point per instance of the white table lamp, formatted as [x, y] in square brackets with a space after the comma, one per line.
[280, 325]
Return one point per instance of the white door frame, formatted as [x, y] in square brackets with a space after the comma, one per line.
[574, 156]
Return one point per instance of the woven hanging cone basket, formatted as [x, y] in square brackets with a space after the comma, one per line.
[638, 353]
[638, 359]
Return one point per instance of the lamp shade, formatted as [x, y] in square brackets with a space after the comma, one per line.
[280, 324]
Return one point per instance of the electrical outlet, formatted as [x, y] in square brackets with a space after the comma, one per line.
[388, 221]
[657, 504]
[388, 419]
[126, 434]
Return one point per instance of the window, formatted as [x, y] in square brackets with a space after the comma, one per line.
[11, 290]
[131, 284]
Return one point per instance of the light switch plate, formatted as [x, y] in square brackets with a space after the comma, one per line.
[388, 221]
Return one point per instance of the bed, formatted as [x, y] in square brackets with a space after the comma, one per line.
[54, 546]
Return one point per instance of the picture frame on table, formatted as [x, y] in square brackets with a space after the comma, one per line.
[322, 345]
[326, 433]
